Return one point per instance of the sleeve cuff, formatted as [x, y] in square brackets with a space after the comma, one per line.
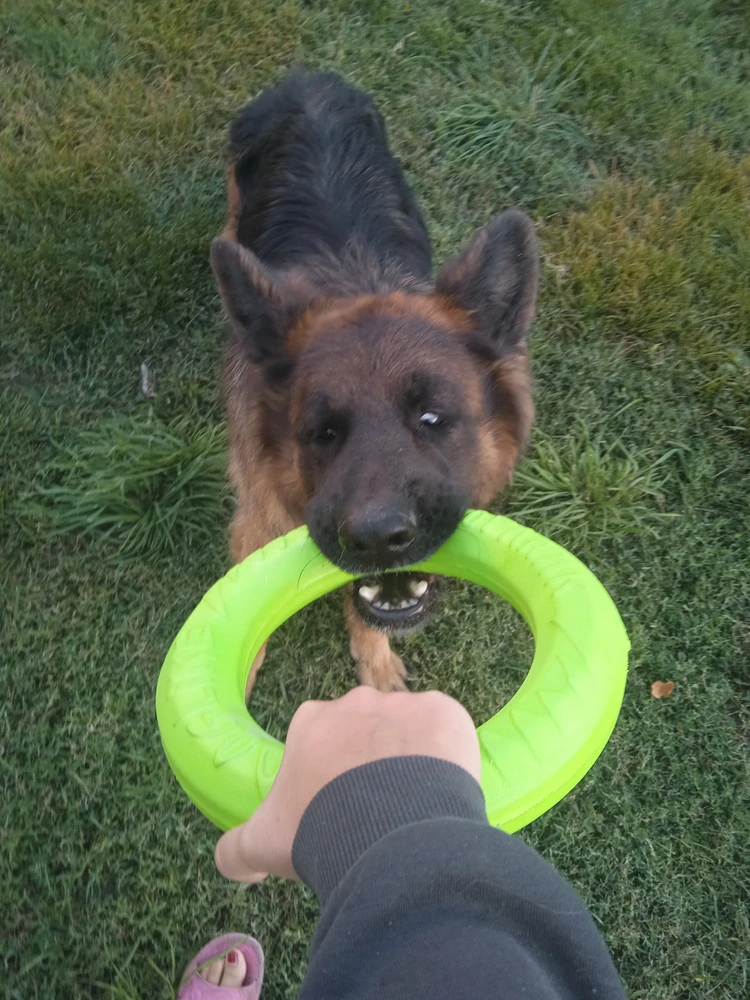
[365, 804]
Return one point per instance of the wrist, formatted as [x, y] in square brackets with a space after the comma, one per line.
[365, 804]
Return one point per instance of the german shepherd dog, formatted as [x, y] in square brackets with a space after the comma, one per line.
[363, 398]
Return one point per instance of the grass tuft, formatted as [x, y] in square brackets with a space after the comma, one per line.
[136, 487]
[591, 484]
[521, 128]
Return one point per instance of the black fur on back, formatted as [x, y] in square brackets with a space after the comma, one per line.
[320, 188]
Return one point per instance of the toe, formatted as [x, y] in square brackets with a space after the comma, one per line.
[235, 968]
[212, 972]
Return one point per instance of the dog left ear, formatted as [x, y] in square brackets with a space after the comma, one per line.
[496, 278]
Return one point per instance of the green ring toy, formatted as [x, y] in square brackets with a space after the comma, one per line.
[534, 750]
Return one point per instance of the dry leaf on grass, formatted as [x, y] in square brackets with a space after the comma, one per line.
[662, 689]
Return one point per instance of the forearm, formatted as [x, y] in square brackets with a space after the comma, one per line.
[420, 897]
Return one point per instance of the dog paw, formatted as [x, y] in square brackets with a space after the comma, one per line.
[384, 672]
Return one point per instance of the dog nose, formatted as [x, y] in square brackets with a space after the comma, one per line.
[378, 534]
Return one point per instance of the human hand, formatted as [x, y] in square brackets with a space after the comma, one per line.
[327, 738]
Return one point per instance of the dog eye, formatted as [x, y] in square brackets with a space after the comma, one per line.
[326, 435]
[430, 419]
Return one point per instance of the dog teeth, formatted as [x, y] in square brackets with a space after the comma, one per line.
[381, 605]
[419, 589]
[369, 593]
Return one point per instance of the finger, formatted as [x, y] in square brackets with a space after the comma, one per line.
[261, 846]
[464, 738]
[463, 742]
[233, 861]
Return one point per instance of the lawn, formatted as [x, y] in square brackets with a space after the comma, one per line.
[623, 128]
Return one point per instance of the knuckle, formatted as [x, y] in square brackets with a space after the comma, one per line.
[362, 696]
[305, 715]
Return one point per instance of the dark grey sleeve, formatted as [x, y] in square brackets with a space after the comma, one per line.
[422, 899]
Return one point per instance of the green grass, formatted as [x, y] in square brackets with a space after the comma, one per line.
[137, 487]
[521, 129]
[591, 485]
[623, 129]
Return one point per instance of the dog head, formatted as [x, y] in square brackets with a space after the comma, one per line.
[397, 411]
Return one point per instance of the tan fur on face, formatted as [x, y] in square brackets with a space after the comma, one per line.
[503, 440]
[338, 314]
[234, 204]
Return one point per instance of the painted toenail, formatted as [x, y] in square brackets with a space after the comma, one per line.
[232, 957]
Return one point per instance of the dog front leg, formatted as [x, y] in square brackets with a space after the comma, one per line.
[378, 665]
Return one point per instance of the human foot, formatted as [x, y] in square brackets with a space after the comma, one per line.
[228, 967]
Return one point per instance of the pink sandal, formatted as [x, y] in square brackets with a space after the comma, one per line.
[194, 987]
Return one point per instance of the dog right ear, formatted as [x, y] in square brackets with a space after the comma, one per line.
[262, 304]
